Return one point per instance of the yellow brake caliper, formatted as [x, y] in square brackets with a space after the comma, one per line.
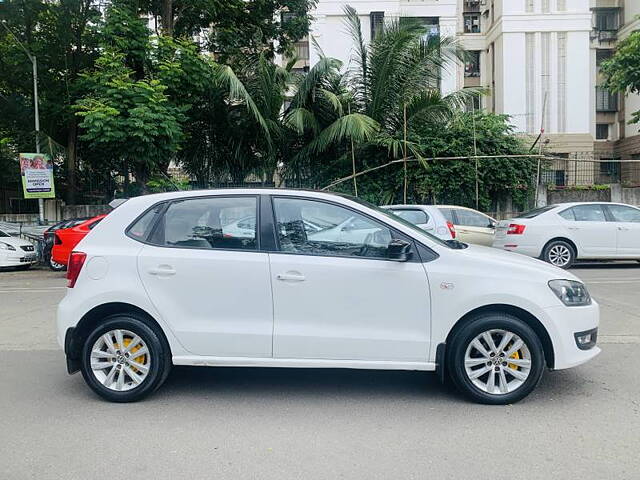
[515, 355]
[141, 359]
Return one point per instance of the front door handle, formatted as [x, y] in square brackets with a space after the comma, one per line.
[624, 229]
[291, 277]
[162, 271]
[573, 228]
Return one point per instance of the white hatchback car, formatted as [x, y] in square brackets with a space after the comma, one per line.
[563, 233]
[157, 283]
[426, 217]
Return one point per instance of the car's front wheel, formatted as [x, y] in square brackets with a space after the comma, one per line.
[124, 359]
[496, 359]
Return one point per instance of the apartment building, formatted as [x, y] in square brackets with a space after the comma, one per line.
[539, 58]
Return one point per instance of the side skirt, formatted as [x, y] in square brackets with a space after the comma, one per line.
[206, 361]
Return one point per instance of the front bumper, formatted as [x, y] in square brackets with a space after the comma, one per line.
[565, 324]
[17, 258]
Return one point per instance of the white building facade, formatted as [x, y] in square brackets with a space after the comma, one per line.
[538, 58]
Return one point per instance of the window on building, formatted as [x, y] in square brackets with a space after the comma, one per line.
[603, 54]
[607, 19]
[471, 23]
[602, 131]
[472, 65]
[431, 25]
[606, 101]
[377, 23]
[471, 5]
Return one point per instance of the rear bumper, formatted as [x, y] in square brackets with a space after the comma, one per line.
[514, 245]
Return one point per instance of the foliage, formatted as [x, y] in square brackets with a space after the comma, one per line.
[621, 71]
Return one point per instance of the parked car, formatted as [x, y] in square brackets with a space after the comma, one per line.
[471, 225]
[16, 252]
[428, 218]
[65, 239]
[49, 236]
[563, 233]
[157, 284]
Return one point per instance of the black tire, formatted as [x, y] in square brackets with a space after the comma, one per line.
[160, 355]
[56, 267]
[553, 248]
[468, 332]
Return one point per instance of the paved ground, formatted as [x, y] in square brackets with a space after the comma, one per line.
[315, 424]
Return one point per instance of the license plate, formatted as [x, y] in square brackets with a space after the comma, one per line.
[30, 258]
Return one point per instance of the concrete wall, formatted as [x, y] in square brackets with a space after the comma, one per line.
[567, 195]
[80, 211]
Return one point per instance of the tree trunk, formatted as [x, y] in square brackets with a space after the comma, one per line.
[142, 177]
[167, 17]
[72, 139]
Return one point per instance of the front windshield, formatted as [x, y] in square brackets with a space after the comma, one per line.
[399, 219]
[3, 234]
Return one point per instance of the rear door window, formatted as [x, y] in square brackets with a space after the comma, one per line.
[589, 213]
[417, 217]
[209, 223]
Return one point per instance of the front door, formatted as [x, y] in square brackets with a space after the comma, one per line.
[627, 221]
[341, 298]
[207, 278]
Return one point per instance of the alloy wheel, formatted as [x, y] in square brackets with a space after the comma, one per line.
[120, 360]
[497, 361]
[559, 255]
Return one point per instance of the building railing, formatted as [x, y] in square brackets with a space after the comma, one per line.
[561, 173]
[471, 6]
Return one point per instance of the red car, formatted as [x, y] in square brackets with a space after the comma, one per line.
[66, 239]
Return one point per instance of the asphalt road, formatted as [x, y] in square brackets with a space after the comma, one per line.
[315, 424]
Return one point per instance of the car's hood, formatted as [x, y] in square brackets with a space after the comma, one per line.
[495, 257]
[15, 241]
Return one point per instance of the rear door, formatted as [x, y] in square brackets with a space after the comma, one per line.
[474, 227]
[589, 229]
[627, 222]
[210, 282]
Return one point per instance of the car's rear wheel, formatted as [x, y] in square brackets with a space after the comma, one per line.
[559, 253]
[124, 359]
[55, 266]
[496, 359]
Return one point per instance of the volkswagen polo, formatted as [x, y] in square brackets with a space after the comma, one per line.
[161, 281]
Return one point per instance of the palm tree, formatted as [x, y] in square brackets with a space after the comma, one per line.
[389, 84]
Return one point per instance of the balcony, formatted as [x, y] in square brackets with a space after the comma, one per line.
[606, 101]
[471, 6]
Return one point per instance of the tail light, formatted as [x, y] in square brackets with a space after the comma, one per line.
[452, 229]
[76, 261]
[515, 229]
[56, 239]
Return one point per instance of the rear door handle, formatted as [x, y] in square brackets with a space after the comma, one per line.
[162, 271]
[290, 277]
[573, 228]
[623, 228]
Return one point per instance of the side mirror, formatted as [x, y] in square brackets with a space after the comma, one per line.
[398, 250]
[492, 224]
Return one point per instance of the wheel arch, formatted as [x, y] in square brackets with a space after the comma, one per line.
[93, 317]
[514, 311]
[562, 239]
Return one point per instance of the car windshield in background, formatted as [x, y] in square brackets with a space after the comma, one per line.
[3, 234]
[536, 211]
[395, 217]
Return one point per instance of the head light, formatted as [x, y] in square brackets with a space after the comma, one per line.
[6, 246]
[570, 292]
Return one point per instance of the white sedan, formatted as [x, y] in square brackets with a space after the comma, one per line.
[563, 233]
[16, 252]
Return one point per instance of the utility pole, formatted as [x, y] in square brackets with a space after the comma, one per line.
[34, 64]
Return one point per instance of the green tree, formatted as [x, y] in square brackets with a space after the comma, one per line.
[622, 71]
[133, 119]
